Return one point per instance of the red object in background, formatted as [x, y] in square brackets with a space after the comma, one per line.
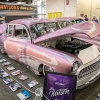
[67, 2]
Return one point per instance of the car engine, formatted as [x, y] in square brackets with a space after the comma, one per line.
[66, 44]
[71, 45]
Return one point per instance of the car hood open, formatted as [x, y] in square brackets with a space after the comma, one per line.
[89, 28]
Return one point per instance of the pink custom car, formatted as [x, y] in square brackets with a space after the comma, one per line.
[67, 21]
[71, 50]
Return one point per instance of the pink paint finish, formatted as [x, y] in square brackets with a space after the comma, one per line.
[52, 49]
[3, 28]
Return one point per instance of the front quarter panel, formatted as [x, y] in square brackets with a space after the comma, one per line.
[49, 57]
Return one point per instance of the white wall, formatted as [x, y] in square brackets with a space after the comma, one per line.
[70, 10]
[84, 6]
[95, 11]
[60, 6]
[54, 6]
[89, 7]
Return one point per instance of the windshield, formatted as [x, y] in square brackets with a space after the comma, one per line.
[64, 23]
[44, 28]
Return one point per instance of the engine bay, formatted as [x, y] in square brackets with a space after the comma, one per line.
[71, 45]
[66, 44]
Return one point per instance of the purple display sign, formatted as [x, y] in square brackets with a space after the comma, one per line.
[59, 86]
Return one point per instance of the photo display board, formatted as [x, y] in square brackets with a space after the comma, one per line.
[59, 86]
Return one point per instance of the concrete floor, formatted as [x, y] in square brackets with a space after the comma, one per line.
[88, 93]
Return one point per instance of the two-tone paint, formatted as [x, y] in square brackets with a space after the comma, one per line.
[26, 50]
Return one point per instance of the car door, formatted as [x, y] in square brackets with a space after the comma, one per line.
[17, 39]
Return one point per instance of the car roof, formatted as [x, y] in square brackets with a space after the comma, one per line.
[30, 21]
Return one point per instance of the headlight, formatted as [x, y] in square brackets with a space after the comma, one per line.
[75, 66]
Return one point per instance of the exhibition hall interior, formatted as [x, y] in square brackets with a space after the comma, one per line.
[49, 49]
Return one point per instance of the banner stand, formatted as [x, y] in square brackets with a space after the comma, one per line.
[58, 86]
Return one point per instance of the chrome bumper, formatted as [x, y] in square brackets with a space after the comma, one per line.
[88, 80]
[88, 73]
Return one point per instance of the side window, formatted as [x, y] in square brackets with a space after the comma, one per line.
[20, 31]
[79, 20]
[33, 32]
[32, 29]
[73, 22]
[67, 23]
[10, 30]
[41, 29]
[51, 27]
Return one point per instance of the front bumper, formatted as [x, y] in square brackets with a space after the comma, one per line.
[88, 73]
[88, 80]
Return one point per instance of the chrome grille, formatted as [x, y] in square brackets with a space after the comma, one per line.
[89, 69]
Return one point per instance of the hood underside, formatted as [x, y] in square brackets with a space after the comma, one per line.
[89, 28]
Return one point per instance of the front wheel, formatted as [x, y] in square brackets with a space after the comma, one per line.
[47, 68]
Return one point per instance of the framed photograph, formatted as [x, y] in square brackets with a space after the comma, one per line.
[8, 79]
[3, 74]
[21, 96]
[6, 63]
[24, 95]
[2, 60]
[59, 86]
[15, 87]
[22, 77]
[32, 83]
[10, 68]
[17, 72]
